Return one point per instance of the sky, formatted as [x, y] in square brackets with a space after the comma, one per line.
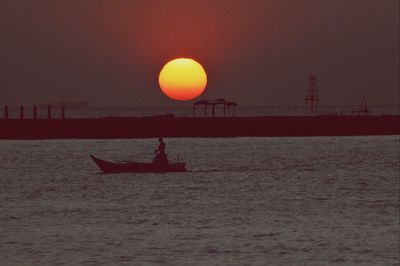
[255, 52]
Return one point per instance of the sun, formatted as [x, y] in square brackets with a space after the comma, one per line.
[182, 79]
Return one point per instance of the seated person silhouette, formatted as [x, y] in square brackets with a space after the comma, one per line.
[161, 157]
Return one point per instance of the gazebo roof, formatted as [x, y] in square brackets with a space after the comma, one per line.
[216, 101]
[205, 102]
[220, 100]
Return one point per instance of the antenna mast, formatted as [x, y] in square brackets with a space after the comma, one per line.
[312, 99]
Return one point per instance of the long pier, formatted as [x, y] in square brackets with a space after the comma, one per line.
[168, 126]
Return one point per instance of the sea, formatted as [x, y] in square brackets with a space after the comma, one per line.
[243, 201]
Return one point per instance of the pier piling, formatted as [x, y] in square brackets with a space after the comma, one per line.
[63, 112]
[49, 112]
[6, 112]
[312, 98]
[21, 112]
[34, 112]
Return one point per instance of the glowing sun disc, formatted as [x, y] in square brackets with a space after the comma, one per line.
[182, 79]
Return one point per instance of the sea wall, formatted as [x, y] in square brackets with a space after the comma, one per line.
[149, 127]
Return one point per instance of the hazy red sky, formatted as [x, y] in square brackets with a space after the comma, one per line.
[255, 52]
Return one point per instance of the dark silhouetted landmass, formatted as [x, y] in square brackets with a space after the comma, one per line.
[169, 126]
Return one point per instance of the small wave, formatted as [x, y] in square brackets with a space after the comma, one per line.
[138, 222]
[10, 218]
[207, 171]
[240, 169]
[320, 198]
[339, 260]
[212, 250]
[216, 251]
[292, 199]
[266, 235]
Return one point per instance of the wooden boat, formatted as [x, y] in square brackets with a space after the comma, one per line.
[136, 167]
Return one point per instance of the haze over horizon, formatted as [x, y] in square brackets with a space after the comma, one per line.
[258, 53]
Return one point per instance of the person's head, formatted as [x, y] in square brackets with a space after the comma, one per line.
[160, 139]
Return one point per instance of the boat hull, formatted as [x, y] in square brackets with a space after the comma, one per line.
[137, 167]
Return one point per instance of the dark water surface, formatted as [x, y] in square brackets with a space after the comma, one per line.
[245, 201]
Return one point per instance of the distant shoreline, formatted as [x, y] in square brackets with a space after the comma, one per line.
[189, 111]
[169, 126]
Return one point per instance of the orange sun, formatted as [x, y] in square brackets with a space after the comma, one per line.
[182, 79]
